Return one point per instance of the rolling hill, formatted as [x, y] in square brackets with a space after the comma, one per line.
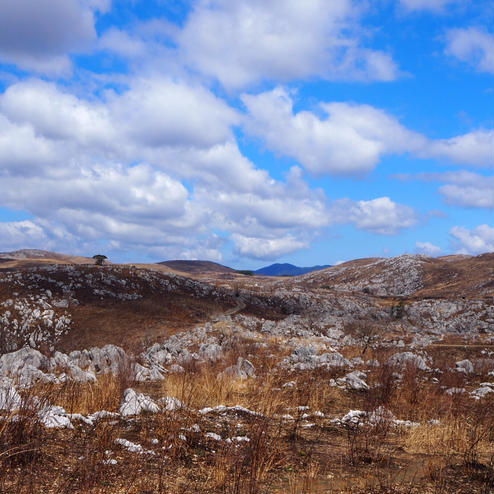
[287, 269]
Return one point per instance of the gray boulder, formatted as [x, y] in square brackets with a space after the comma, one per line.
[144, 374]
[354, 380]
[464, 366]
[408, 358]
[77, 374]
[12, 363]
[10, 399]
[210, 351]
[135, 403]
[242, 370]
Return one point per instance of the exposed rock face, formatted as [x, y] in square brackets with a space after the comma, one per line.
[39, 306]
[12, 363]
[143, 374]
[10, 399]
[307, 358]
[135, 403]
[211, 352]
[448, 316]
[485, 389]
[397, 276]
[464, 366]
[241, 370]
[354, 380]
[408, 358]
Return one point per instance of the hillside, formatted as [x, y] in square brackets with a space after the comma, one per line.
[133, 378]
[411, 275]
[93, 305]
[35, 257]
[196, 267]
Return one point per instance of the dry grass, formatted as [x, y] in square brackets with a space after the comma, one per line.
[198, 388]
[105, 394]
[468, 437]
[281, 455]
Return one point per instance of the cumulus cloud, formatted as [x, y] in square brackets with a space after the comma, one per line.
[21, 234]
[380, 215]
[350, 138]
[39, 34]
[428, 248]
[161, 112]
[22, 152]
[461, 188]
[72, 161]
[475, 148]
[280, 40]
[475, 241]
[468, 189]
[122, 43]
[115, 168]
[104, 199]
[152, 112]
[273, 234]
[472, 45]
[266, 248]
[55, 114]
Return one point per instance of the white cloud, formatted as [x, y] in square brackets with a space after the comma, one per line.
[468, 190]
[380, 215]
[71, 163]
[22, 152]
[152, 112]
[57, 115]
[122, 43]
[266, 248]
[461, 188]
[246, 41]
[160, 112]
[472, 45]
[350, 138]
[475, 148]
[428, 248]
[475, 241]
[22, 234]
[38, 34]
[103, 198]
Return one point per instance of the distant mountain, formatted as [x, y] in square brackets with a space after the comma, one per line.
[287, 269]
[197, 266]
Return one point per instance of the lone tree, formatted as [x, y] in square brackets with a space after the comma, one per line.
[99, 259]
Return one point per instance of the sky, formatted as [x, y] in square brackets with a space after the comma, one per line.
[247, 132]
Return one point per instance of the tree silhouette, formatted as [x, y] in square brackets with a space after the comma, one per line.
[99, 259]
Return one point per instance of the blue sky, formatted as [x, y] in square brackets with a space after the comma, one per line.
[247, 131]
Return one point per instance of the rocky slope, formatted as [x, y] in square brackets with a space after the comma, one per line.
[100, 359]
[70, 307]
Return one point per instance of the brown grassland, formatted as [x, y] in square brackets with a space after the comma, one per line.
[449, 449]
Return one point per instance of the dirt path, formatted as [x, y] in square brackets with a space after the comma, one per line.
[235, 310]
[230, 312]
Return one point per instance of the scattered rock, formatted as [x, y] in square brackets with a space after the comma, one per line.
[136, 403]
[354, 380]
[405, 359]
[464, 366]
[241, 370]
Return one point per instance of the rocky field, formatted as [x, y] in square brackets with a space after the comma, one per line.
[374, 376]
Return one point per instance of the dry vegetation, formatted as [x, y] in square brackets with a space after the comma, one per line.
[284, 431]
[451, 450]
